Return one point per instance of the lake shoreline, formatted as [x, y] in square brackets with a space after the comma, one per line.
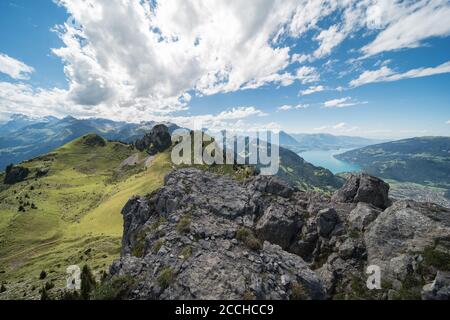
[327, 160]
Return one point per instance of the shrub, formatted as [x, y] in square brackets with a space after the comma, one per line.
[49, 285]
[88, 282]
[44, 294]
[157, 245]
[248, 295]
[138, 249]
[69, 295]
[118, 288]
[165, 278]
[184, 225]
[248, 238]
[186, 252]
[297, 291]
[43, 275]
[436, 258]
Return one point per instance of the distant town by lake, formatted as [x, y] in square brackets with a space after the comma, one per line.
[326, 159]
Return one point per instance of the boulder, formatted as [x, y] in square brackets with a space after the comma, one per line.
[408, 239]
[439, 289]
[327, 221]
[15, 174]
[272, 185]
[362, 216]
[41, 172]
[279, 224]
[362, 187]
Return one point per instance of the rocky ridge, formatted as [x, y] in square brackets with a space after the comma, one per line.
[205, 236]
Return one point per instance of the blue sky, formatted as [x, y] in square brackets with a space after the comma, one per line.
[371, 68]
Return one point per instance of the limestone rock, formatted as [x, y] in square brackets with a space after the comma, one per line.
[364, 188]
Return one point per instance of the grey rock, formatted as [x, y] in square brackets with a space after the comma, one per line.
[402, 232]
[15, 174]
[272, 185]
[362, 216]
[362, 187]
[439, 289]
[279, 224]
[327, 221]
[157, 140]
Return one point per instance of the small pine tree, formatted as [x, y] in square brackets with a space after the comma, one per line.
[44, 294]
[43, 275]
[88, 282]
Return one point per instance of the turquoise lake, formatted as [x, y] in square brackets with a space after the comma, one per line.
[326, 159]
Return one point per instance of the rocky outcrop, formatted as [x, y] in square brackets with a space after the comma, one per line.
[410, 242]
[205, 236]
[15, 174]
[93, 140]
[364, 188]
[157, 140]
[439, 289]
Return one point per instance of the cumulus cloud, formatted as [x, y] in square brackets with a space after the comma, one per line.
[135, 53]
[342, 103]
[448, 122]
[135, 59]
[386, 74]
[14, 68]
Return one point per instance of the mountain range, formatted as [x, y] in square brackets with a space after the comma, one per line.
[22, 137]
[322, 141]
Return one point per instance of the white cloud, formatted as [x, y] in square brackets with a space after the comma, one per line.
[239, 113]
[385, 74]
[131, 53]
[340, 127]
[342, 103]
[448, 122]
[290, 107]
[235, 119]
[14, 68]
[285, 108]
[146, 59]
[409, 23]
[311, 90]
[328, 40]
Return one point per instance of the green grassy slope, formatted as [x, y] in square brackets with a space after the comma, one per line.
[77, 219]
[424, 160]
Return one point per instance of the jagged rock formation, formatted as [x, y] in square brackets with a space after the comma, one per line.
[15, 174]
[207, 236]
[157, 140]
[364, 188]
